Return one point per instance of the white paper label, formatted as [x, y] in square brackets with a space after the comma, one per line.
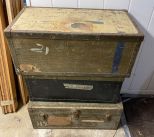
[78, 86]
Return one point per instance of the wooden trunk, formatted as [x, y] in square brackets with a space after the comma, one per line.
[74, 55]
[74, 42]
[43, 89]
[74, 115]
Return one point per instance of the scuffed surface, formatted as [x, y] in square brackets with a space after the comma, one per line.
[75, 20]
[19, 125]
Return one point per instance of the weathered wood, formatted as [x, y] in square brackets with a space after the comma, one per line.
[1, 95]
[102, 44]
[23, 90]
[75, 115]
[75, 20]
[73, 90]
[13, 8]
[6, 67]
[10, 13]
[115, 21]
[73, 58]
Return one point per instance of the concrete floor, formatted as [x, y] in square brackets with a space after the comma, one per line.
[19, 125]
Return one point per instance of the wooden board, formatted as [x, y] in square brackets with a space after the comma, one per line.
[23, 90]
[74, 58]
[8, 83]
[13, 8]
[9, 6]
[74, 115]
[75, 20]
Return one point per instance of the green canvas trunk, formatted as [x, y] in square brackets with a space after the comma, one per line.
[75, 115]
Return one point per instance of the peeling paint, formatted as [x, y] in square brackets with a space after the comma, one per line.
[29, 68]
[57, 120]
[40, 49]
[46, 51]
[84, 21]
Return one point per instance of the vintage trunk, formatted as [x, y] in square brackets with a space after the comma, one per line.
[43, 89]
[75, 115]
[74, 42]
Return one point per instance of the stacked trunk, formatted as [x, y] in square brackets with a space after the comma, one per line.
[8, 88]
[74, 62]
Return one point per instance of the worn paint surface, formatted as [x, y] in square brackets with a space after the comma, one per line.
[73, 90]
[74, 20]
[29, 68]
[20, 126]
[117, 56]
[40, 49]
[61, 57]
[75, 115]
[85, 45]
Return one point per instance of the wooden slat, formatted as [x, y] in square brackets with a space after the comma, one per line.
[8, 81]
[21, 4]
[1, 94]
[23, 90]
[5, 88]
[9, 10]
[13, 8]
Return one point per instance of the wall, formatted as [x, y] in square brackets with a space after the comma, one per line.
[142, 78]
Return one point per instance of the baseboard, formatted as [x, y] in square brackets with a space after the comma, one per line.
[137, 95]
[137, 92]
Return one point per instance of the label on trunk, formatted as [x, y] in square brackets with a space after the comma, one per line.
[78, 86]
[59, 121]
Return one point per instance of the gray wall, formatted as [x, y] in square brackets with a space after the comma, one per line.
[142, 77]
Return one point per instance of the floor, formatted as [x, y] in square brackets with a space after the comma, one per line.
[140, 122]
[19, 125]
